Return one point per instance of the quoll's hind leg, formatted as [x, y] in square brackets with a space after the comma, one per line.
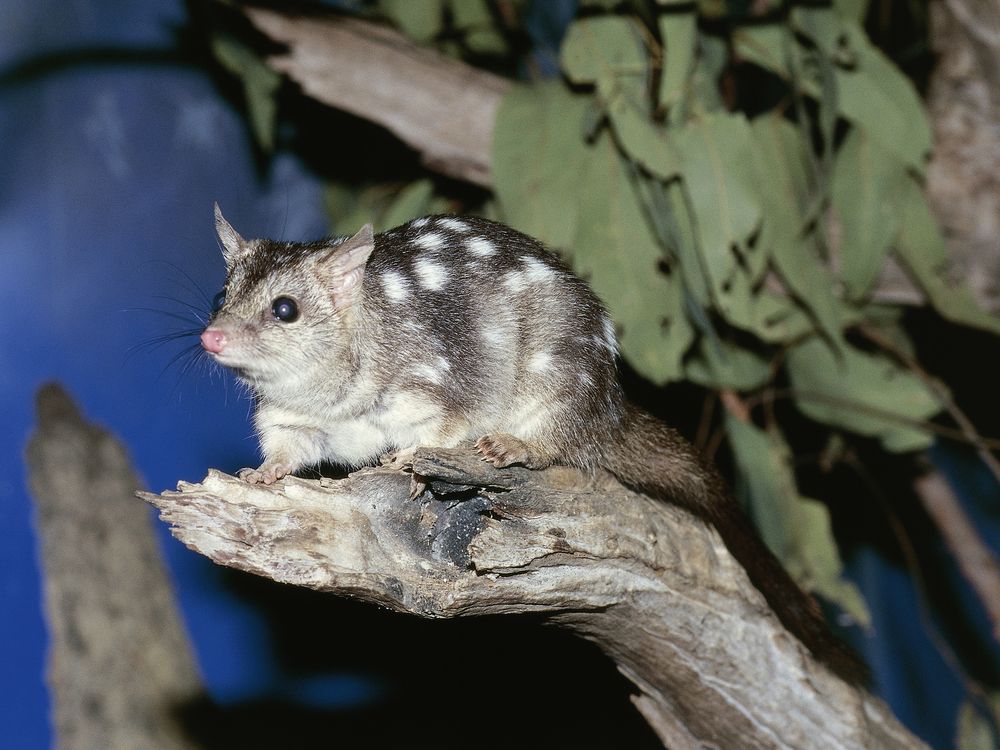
[501, 450]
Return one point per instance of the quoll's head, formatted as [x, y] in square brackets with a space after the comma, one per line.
[286, 308]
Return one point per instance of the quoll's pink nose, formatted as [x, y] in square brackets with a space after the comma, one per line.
[213, 340]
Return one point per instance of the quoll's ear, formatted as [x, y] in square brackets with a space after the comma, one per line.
[343, 267]
[233, 245]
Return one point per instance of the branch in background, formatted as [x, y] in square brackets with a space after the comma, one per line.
[974, 558]
[442, 108]
[652, 586]
[120, 667]
[445, 110]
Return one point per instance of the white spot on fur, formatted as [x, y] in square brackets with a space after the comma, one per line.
[432, 274]
[494, 336]
[422, 222]
[481, 246]
[396, 287]
[514, 281]
[610, 340]
[531, 415]
[428, 373]
[585, 380]
[540, 361]
[453, 224]
[430, 241]
[404, 411]
[536, 271]
[433, 372]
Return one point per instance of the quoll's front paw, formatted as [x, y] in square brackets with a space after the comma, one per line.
[503, 450]
[266, 474]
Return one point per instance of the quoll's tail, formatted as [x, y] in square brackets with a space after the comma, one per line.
[654, 459]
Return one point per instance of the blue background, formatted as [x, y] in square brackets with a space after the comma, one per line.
[110, 164]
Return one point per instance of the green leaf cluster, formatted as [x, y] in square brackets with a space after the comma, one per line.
[457, 26]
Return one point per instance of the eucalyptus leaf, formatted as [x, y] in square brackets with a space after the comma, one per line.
[350, 208]
[866, 182]
[795, 528]
[864, 393]
[779, 318]
[474, 19]
[643, 141]
[260, 85]
[852, 10]
[781, 164]
[712, 56]
[765, 45]
[727, 366]
[679, 34]
[539, 157]
[877, 96]
[871, 91]
[716, 154]
[421, 20]
[603, 47]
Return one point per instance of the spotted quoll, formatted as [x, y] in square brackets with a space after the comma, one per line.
[450, 331]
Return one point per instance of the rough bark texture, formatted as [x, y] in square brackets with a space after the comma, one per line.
[653, 587]
[446, 110]
[119, 665]
[963, 179]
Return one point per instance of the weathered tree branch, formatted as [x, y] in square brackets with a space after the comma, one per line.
[442, 108]
[446, 111]
[120, 666]
[650, 585]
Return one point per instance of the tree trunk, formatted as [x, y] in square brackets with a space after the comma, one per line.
[120, 668]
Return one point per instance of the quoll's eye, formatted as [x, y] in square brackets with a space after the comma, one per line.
[285, 309]
[218, 301]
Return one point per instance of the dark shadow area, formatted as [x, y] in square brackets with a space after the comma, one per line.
[478, 682]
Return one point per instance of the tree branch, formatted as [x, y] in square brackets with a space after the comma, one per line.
[653, 587]
[442, 108]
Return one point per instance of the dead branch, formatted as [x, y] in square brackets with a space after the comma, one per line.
[443, 108]
[120, 667]
[650, 585]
